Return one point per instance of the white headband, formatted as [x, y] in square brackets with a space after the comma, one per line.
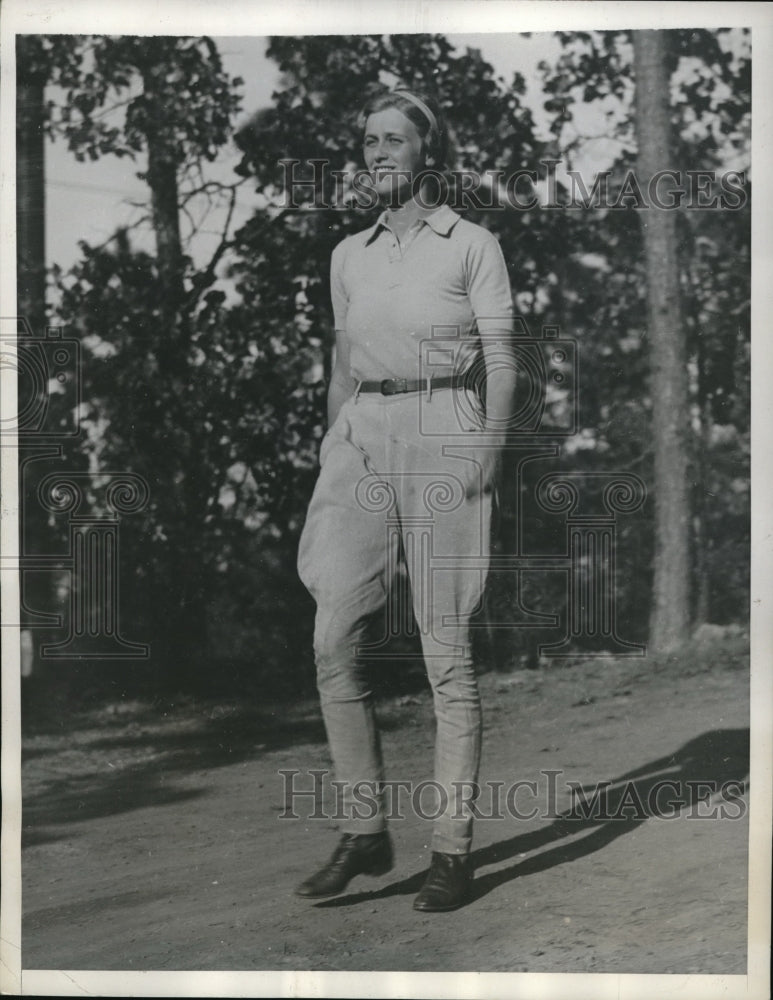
[417, 101]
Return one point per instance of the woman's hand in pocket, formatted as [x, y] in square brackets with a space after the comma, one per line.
[483, 473]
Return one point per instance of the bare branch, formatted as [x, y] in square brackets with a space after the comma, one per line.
[122, 232]
[207, 278]
[114, 107]
[194, 227]
[208, 186]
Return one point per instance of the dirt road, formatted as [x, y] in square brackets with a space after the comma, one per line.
[153, 838]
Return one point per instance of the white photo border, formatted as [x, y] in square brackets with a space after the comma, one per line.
[245, 17]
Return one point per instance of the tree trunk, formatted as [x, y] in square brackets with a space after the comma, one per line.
[185, 632]
[670, 616]
[162, 178]
[35, 535]
[163, 164]
[30, 191]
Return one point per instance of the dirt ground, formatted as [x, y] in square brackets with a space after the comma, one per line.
[153, 838]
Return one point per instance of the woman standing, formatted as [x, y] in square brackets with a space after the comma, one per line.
[421, 301]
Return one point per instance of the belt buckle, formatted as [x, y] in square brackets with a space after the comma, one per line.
[392, 386]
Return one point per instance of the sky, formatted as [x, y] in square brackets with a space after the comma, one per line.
[88, 201]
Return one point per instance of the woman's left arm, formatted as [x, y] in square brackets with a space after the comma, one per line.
[500, 402]
[492, 304]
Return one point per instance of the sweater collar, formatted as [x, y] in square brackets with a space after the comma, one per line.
[441, 220]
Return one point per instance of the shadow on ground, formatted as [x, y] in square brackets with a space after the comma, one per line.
[716, 760]
[127, 754]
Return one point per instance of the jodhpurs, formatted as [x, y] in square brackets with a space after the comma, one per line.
[392, 485]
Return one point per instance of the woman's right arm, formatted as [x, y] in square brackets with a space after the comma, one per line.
[342, 385]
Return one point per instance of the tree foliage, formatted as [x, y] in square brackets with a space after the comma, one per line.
[222, 409]
[710, 123]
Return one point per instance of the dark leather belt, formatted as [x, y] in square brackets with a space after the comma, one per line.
[393, 386]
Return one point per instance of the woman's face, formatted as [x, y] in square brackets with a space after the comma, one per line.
[394, 153]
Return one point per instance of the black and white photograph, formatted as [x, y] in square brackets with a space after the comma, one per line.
[386, 568]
